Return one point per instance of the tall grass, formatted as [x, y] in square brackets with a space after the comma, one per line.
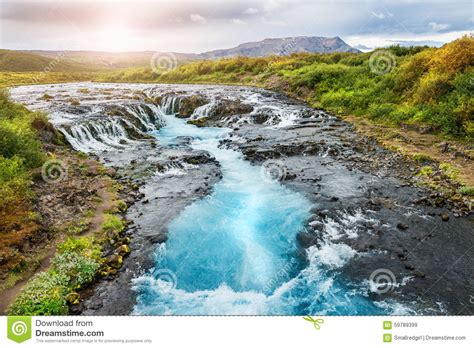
[20, 150]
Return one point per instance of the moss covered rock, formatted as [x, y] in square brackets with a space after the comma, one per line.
[73, 298]
[114, 261]
[200, 122]
[123, 250]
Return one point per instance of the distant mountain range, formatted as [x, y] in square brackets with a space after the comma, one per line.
[38, 60]
[282, 47]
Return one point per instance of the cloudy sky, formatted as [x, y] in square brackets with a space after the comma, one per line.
[196, 26]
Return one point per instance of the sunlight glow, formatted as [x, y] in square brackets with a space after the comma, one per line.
[114, 37]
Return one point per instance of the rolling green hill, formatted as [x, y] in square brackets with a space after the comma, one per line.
[80, 61]
[98, 61]
[17, 61]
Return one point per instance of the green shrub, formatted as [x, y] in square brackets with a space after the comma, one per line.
[449, 170]
[17, 137]
[425, 171]
[44, 295]
[78, 226]
[431, 87]
[14, 181]
[83, 245]
[112, 225]
[421, 157]
[467, 190]
[74, 265]
[405, 51]
[79, 269]
[381, 111]
[337, 99]
[121, 206]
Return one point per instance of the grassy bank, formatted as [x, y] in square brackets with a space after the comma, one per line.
[20, 151]
[76, 264]
[59, 213]
[9, 79]
[21, 154]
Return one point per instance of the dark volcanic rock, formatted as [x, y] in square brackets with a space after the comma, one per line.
[260, 118]
[228, 107]
[187, 105]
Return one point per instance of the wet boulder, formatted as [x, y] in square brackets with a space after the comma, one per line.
[114, 261]
[199, 158]
[123, 250]
[200, 122]
[259, 118]
[187, 105]
[73, 298]
[228, 107]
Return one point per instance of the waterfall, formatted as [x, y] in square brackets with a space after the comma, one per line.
[170, 104]
[203, 111]
[111, 128]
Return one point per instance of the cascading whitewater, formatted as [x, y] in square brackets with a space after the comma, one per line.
[170, 104]
[112, 128]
